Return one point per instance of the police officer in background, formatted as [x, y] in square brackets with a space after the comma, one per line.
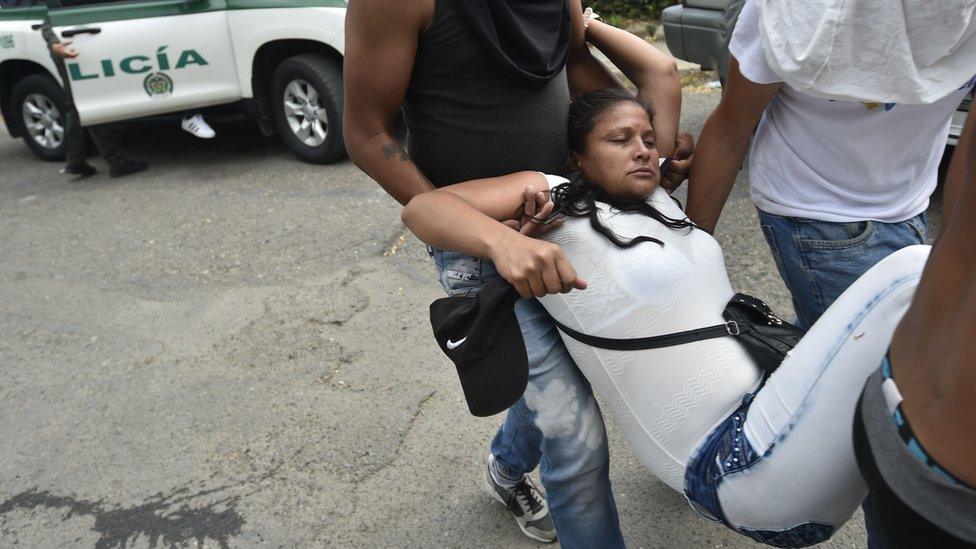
[105, 136]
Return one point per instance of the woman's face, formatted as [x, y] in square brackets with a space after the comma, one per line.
[620, 154]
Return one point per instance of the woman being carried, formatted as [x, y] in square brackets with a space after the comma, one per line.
[772, 460]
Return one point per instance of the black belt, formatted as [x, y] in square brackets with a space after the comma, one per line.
[730, 328]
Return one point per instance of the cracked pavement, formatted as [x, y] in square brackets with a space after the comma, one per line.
[232, 350]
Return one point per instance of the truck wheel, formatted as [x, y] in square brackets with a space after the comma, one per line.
[38, 110]
[307, 104]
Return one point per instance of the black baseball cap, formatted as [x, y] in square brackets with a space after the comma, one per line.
[481, 335]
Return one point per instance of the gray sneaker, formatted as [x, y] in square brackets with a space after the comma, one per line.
[527, 504]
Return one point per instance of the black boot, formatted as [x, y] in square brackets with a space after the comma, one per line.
[81, 170]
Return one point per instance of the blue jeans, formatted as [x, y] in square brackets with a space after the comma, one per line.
[818, 260]
[781, 468]
[727, 452]
[556, 424]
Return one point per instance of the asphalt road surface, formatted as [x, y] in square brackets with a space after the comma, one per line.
[232, 350]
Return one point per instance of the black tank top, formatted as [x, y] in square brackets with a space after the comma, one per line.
[468, 118]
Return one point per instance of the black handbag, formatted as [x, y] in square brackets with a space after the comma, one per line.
[766, 337]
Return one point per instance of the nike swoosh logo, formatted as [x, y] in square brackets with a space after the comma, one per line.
[454, 345]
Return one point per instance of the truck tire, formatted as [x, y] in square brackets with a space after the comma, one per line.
[306, 99]
[37, 106]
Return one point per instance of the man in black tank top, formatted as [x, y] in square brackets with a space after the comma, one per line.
[485, 87]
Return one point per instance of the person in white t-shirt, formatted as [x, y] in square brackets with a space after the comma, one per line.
[838, 185]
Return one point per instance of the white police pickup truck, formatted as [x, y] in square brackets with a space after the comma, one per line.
[280, 60]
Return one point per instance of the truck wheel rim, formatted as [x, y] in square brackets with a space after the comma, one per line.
[304, 112]
[42, 119]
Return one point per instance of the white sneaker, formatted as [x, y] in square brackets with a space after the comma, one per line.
[198, 126]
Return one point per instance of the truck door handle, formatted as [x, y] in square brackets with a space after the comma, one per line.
[37, 26]
[74, 32]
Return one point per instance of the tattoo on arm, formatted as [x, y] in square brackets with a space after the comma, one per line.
[392, 150]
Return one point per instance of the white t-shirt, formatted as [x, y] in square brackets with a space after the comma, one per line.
[838, 160]
[667, 399]
[911, 52]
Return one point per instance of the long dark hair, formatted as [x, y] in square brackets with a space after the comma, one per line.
[578, 198]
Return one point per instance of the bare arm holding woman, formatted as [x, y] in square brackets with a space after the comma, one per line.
[465, 217]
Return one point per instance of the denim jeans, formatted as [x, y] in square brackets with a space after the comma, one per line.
[781, 468]
[556, 425]
[727, 452]
[818, 260]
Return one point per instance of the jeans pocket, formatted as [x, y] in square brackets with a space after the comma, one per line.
[460, 274]
[823, 235]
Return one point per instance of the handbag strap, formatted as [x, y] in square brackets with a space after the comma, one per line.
[730, 328]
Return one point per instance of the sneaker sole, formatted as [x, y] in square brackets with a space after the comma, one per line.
[198, 136]
[494, 494]
[75, 176]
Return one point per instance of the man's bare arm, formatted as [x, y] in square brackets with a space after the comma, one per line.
[722, 145]
[584, 72]
[464, 217]
[381, 44]
[961, 170]
[933, 348]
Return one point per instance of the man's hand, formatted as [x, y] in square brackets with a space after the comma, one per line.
[532, 217]
[535, 267]
[680, 162]
[64, 50]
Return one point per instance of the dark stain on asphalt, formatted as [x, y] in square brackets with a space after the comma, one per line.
[162, 520]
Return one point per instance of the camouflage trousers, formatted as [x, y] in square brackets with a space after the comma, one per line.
[105, 136]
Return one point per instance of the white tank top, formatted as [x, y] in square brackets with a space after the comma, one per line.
[665, 400]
